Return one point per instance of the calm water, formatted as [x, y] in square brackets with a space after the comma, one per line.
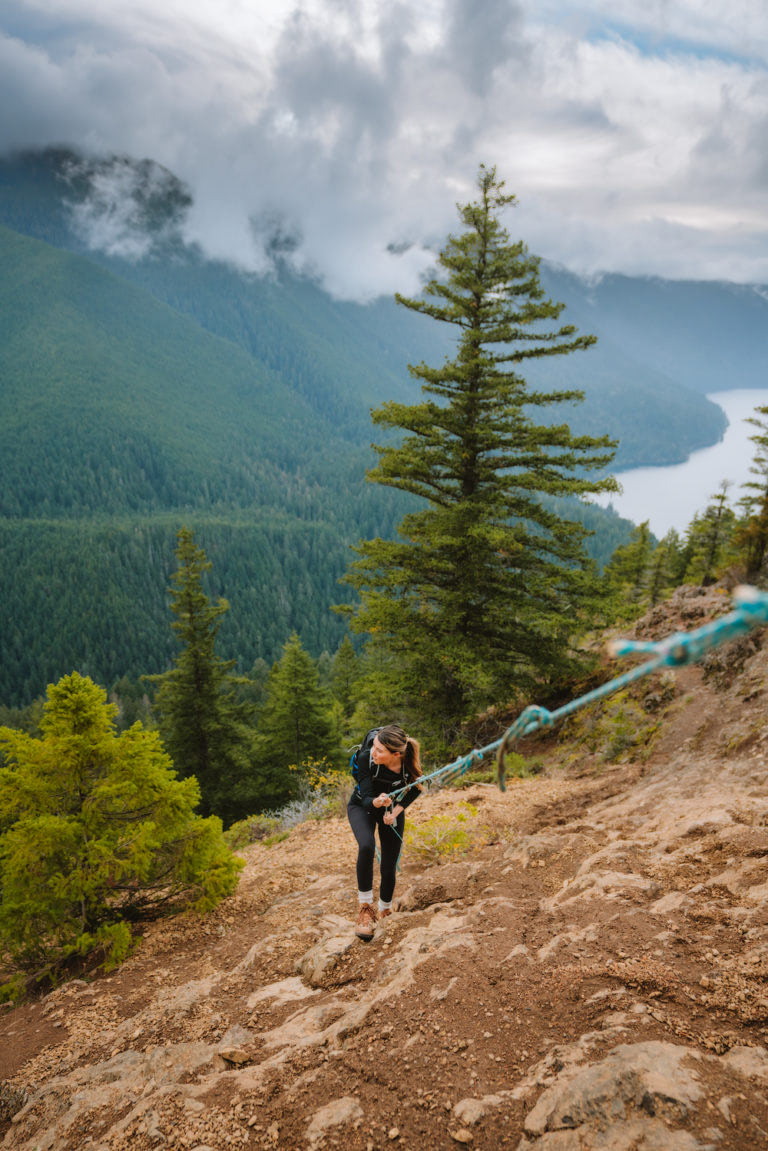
[670, 497]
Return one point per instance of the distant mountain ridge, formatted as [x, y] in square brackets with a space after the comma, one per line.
[346, 357]
[714, 334]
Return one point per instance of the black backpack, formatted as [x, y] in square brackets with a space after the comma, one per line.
[354, 764]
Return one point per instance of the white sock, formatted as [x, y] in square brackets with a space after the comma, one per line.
[385, 906]
[365, 897]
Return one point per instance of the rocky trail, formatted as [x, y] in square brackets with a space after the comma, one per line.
[594, 975]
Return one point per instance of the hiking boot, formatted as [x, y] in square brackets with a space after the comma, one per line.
[366, 921]
[385, 911]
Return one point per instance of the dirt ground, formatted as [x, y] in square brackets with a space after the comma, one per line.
[591, 974]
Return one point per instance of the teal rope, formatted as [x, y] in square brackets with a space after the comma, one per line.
[674, 651]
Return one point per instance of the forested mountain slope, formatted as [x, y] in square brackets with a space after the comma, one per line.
[139, 395]
[345, 357]
[712, 336]
[121, 420]
[113, 402]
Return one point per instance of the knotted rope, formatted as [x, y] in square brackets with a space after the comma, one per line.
[674, 651]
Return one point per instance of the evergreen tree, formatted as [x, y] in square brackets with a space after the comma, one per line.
[132, 701]
[345, 675]
[296, 724]
[254, 689]
[688, 547]
[709, 538]
[627, 570]
[663, 566]
[751, 536]
[324, 667]
[95, 828]
[485, 588]
[204, 725]
[676, 557]
[751, 544]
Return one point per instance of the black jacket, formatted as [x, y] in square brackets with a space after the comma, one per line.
[374, 778]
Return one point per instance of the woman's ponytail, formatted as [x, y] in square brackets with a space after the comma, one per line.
[412, 759]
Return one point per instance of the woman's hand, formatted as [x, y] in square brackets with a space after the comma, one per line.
[390, 817]
[382, 800]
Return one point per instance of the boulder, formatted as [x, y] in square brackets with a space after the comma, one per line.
[648, 1077]
[315, 964]
[345, 1110]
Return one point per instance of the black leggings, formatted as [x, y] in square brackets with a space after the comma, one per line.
[391, 840]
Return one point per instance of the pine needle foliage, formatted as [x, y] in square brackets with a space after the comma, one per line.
[485, 587]
[95, 830]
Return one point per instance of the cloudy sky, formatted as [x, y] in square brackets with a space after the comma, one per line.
[634, 134]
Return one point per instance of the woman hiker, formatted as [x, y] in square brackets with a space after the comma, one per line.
[390, 763]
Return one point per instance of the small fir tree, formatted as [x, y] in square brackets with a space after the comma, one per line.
[676, 557]
[95, 829]
[688, 547]
[710, 537]
[204, 722]
[663, 567]
[296, 724]
[751, 535]
[345, 676]
[486, 587]
[626, 572]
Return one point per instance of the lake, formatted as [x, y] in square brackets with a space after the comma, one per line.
[669, 497]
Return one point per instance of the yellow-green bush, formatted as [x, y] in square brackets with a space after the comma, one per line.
[447, 836]
[613, 728]
[278, 837]
[95, 830]
[331, 787]
[254, 829]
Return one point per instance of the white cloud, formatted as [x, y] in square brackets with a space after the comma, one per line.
[633, 135]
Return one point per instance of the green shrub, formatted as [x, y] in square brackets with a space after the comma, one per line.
[613, 728]
[330, 787]
[516, 766]
[278, 837]
[254, 829]
[96, 830]
[447, 836]
[481, 776]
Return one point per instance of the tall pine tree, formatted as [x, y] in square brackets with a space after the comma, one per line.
[486, 586]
